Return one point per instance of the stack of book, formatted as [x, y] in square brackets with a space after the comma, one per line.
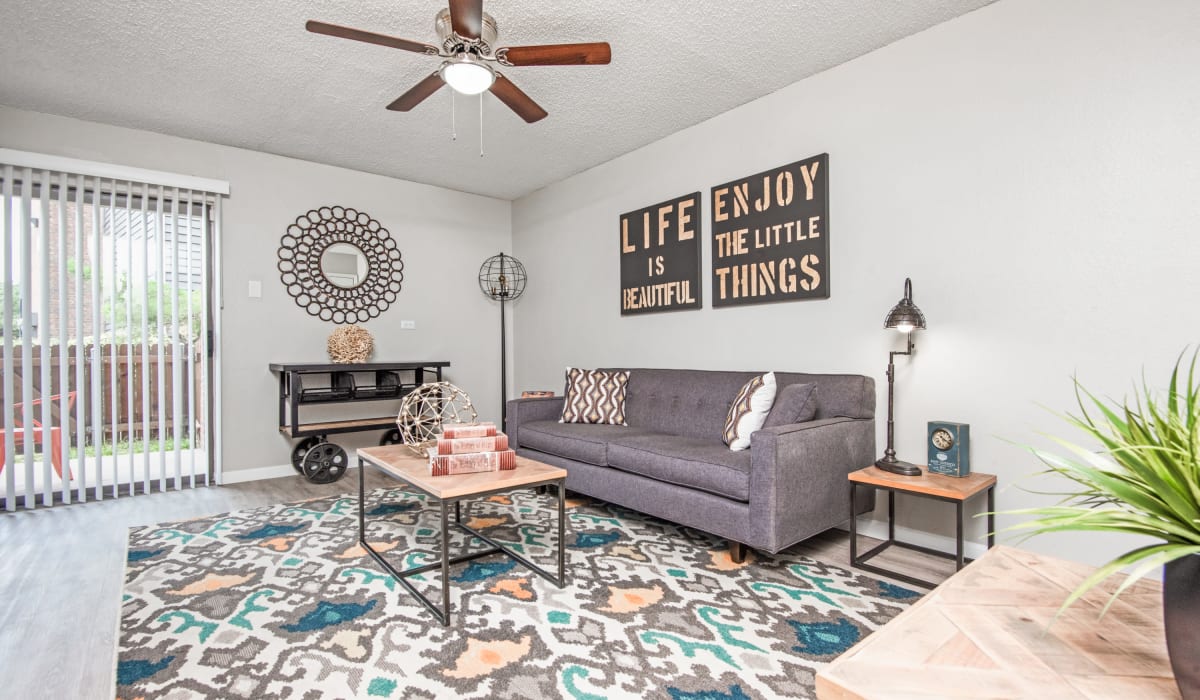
[470, 447]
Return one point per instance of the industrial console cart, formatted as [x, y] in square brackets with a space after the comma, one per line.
[323, 384]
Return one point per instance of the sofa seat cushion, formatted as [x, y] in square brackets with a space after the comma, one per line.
[707, 465]
[584, 442]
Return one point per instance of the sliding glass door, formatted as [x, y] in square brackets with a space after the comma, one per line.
[106, 312]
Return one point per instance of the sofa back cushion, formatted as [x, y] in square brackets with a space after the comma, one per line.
[695, 403]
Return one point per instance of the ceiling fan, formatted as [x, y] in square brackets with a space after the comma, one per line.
[468, 40]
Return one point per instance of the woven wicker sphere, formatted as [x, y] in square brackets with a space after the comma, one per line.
[427, 408]
[350, 344]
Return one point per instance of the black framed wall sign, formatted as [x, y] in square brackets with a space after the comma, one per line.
[660, 257]
[770, 235]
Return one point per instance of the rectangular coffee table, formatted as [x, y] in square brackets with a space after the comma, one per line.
[399, 462]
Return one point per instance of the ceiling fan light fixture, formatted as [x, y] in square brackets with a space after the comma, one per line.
[467, 76]
[468, 52]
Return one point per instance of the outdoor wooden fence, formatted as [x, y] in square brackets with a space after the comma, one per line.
[143, 376]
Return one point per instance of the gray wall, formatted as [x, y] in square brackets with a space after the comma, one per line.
[443, 236]
[1033, 166]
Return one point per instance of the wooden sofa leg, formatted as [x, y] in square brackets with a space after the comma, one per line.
[737, 552]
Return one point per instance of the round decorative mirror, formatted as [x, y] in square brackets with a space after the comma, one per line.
[340, 265]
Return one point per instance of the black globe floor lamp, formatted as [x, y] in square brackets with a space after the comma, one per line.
[502, 278]
[906, 318]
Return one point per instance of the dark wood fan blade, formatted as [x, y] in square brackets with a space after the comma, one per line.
[466, 18]
[597, 53]
[417, 94]
[517, 101]
[369, 37]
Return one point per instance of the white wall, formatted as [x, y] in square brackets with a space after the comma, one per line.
[443, 236]
[1033, 166]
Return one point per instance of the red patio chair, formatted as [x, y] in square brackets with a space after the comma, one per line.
[37, 431]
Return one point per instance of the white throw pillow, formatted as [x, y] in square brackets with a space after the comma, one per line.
[749, 411]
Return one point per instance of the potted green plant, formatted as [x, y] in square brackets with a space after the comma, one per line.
[1145, 481]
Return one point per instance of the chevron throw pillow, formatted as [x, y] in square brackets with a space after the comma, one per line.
[594, 396]
[749, 411]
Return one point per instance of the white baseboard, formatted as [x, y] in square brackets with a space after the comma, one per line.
[879, 530]
[239, 476]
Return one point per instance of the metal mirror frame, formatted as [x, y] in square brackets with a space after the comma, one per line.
[302, 247]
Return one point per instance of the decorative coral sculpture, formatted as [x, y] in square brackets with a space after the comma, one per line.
[350, 344]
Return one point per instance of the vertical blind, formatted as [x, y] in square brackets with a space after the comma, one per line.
[107, 313]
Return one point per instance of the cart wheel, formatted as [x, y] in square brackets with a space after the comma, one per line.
[302, 449]
[325, 463]
[392, 437]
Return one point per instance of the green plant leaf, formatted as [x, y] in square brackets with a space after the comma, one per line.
[1150, 557]
[1145, 481]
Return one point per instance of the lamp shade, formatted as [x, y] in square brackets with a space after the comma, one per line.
[905, 316]
[502, 277]
[467, 76]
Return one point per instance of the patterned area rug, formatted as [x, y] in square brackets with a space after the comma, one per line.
[281, 602]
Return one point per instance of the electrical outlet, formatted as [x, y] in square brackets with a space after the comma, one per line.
[254, 289]
[408, 325]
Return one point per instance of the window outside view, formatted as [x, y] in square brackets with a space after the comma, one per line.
[111, 300]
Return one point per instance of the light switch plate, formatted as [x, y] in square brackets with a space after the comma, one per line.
[254, 290]
[408, 325]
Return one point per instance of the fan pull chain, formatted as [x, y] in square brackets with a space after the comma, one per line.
[481, 125]
[453, 127]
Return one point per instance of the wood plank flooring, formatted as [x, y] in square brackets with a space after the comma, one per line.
[63, 568]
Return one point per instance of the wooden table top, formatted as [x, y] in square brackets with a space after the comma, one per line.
[986, 632]
[959, 488]
[401, 463]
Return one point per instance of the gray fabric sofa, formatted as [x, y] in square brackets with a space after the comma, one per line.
[669, 461]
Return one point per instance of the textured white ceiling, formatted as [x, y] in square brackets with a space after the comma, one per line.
[249, 75]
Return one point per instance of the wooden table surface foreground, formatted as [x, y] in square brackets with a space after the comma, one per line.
[986, 633]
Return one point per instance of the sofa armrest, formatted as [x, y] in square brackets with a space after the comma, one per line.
[798, 477]
[529, 410]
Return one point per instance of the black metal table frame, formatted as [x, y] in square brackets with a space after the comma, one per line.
[860, 561]
[289, 401]
[442, 613]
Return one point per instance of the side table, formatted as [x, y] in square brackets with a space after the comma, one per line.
[956, 490]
